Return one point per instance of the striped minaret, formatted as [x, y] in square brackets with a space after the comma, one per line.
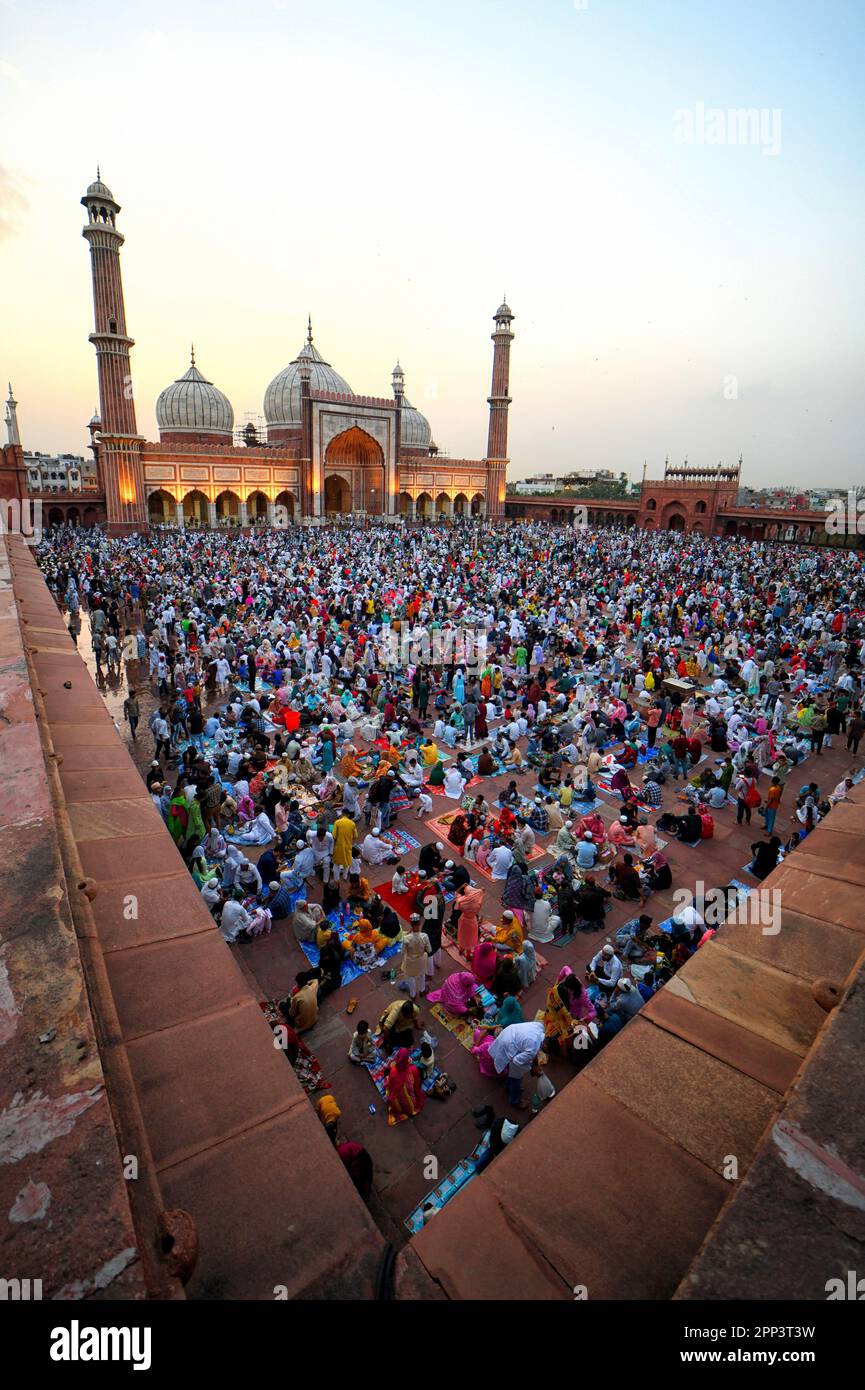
[120, 465]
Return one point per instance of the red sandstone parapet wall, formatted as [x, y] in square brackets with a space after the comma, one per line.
[234, 1139]
[64, 1202]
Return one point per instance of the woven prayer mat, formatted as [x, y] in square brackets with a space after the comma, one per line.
[400, 840]
[307, 1069]
[378, 1072]
[464, 1029]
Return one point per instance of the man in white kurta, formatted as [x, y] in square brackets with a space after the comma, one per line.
[513, 1053]
[375, 850]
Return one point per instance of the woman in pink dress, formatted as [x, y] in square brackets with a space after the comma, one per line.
[456, 993]
[405, 1098]
[482, 1044]
[468, 903]
[484, 962]
[482, 858]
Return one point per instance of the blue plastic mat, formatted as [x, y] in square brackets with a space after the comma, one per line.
[453, 1182]
[344, 925]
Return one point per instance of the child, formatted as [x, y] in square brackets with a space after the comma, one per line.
[399, 882]
[329, 1113]
[426, 1061]
[424, 806]
[362, 1048]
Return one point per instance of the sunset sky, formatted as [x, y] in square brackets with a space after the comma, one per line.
[395, 168]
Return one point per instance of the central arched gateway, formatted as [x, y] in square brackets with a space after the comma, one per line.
[360, 461]
[337, 494]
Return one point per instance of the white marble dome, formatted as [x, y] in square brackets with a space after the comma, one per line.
[282, 397]
[415, 430]
[193, 405]
[98, 189]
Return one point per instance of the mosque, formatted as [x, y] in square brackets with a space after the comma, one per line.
[325, 451]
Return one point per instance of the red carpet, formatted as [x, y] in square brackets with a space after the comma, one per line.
[402, 903]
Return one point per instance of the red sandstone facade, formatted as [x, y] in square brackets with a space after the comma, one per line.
[699, 501]
[327, 452]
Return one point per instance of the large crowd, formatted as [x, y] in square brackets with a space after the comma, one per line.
[316, 695]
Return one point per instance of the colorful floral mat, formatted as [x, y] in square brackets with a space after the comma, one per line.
[464, 1029]
[400, 841]
[307, 1068]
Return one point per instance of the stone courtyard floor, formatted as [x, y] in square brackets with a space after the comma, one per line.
[445, 1130]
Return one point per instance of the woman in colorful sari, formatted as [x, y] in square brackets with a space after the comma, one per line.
[509, 933]
[405, 1097]
[581, 1005]
[483, 1041]
[482, 857]
[484, 962]
[349, 765]
[559, 1023]
[458, 831]
[201, 870]
[456, 994]
[366, 943]
[429, 753]
[468, 903]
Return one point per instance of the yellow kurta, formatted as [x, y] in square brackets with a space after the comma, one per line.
[344, 836]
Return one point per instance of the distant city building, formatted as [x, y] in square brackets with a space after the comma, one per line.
[57, 472]
[549, 483]
[584, 477]
[540, 483]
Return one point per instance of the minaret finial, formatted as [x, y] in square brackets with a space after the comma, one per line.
[98, 175]
[309, 331]
[192, 353]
